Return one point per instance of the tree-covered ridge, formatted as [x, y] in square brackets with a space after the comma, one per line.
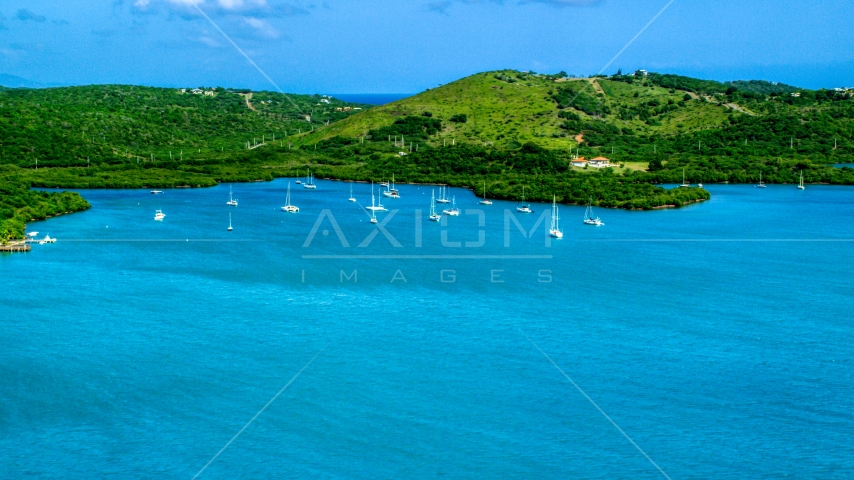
[19, 204]
[125, 124]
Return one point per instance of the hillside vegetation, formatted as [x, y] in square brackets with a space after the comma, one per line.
[661, 123]
[115, 124]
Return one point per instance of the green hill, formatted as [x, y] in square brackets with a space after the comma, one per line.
[114, 124]
[506, 109]
[729, 131]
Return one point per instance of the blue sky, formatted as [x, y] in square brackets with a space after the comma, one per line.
[401, 46]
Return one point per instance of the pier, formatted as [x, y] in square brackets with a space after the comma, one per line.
[15, 247]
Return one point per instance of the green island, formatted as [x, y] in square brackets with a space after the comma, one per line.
[505, 129]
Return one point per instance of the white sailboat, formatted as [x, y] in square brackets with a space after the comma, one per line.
[373, 212]
[229, 222]
[554, 231]
[443, 195]
[391, 192]
[352, 199]
[231, 201]
[453, 211]
[309, 183]
[485, 201]
[589, 219]
[373, 206]
[288, 207]
[684, 183]
[380, 206]
[761, 183]
[801, 184]
[524, 207]
[159, 215]
[434, 217]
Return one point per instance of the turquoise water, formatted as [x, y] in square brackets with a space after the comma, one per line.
[717, 336]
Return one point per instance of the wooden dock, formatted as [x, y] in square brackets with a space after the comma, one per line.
[15, 247]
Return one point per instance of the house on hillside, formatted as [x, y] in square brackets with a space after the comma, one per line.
[324, 100]
[579, 162]
[599, 162]
[182, 90]
[196, 91]
[209, 93]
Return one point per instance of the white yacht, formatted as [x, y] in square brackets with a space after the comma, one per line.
[373, 212]
[443, 195]
[589, 219]
[159, 215]
[524, 207]
[801, 184]
[453, 211]
[434, 217]
[309, 183]
[391, 192]
[554, 231]
[761, 183]
[484, 201]
[352, 198]
[231, 201]
[47, 239]
[156, 192]
[229, 222]
[288, 207]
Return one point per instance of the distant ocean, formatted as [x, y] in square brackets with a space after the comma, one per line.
[717, 336]
[371, 98]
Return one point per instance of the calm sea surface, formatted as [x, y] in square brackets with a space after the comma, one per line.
[719, 337]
